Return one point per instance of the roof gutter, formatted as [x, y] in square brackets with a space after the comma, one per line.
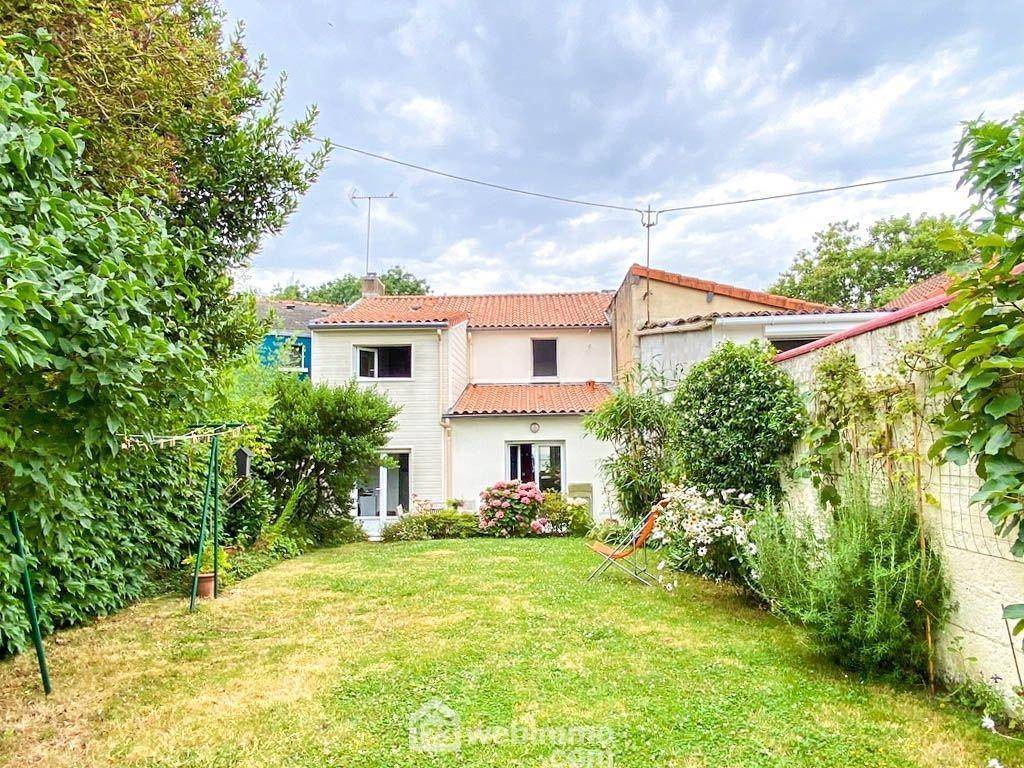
[489, 414]
[373, 326]
[806, 319]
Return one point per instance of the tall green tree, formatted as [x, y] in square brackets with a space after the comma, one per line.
[175, 108]
[847, 269]
[345, 290]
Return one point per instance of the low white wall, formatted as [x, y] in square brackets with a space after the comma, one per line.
[480, 448]
[983, 575]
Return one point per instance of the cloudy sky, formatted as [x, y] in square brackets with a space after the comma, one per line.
[626, 103]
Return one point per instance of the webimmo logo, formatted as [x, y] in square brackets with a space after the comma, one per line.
[435, 727]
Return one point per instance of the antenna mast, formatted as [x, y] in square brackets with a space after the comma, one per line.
[353, 196]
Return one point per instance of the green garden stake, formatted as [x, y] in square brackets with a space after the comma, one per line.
[30, 603]
[215, 449]
[202, 528]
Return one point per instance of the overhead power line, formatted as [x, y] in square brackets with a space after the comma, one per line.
[648, 210]
[492, 185]
[819, 191]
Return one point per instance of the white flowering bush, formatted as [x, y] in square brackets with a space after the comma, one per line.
[706, 533]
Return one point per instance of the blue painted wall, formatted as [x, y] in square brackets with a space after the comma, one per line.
[271, 346]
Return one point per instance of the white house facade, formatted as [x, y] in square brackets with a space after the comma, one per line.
[491, 387]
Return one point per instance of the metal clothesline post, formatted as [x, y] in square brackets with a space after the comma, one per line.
[29, 599]
[210, 473]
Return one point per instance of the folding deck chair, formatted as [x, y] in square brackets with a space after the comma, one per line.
[630, 555]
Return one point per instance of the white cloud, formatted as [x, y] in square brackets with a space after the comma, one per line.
[433, 117]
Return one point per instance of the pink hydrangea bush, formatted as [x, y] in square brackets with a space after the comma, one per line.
[511, 508]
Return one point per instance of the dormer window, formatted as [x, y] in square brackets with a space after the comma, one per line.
[545, 358]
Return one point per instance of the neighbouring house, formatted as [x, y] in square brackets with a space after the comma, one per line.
[673, 346]
[650, 296]
[287, 344]
[491, 387]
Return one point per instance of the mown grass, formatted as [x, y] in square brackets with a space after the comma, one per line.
[321, 660]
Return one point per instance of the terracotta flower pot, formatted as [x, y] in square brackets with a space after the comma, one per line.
[205, 585]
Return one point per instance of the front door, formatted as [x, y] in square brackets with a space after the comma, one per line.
[384, 493]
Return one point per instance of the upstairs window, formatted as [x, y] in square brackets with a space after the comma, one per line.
[545, 358]
[293, 357]
[393, 362]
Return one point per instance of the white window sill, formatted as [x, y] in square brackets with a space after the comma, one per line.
[384, 378]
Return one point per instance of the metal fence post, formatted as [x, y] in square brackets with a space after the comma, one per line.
[30, 602]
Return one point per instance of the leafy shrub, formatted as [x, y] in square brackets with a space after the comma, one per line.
[566, 516]
[705, 533]
[738, 417]
[207, 559]
[866, 587]
[328, 435]
[779, 565]
[442, 524]
[325, 531]
[639, 424]
[252, 511]
[142, 511]
[509, 507]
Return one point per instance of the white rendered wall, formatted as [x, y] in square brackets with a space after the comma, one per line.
[506, 356]
[480, 450]
[421, 398]
[983, 575]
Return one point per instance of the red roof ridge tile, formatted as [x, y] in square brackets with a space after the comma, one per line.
[725, 289]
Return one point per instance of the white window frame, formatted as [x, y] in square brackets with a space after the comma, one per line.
[534, 445]
[291, 368]
[382, 487]
[533, 361]
[374, 348]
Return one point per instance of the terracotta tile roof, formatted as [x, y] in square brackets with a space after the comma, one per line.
[294, 316]
[491, 399]
[926, 289]
[759, 313]
[511, 310]
[937, 300]
[724, 289]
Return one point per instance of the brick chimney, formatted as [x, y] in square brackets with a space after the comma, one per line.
[371, 285]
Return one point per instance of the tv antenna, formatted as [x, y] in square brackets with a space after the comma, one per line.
[354, 195]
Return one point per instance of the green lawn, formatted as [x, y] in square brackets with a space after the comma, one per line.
[321, 660]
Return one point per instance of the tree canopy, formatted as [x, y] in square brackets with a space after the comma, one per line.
[345, 290]
[848, 269]
[176, 111]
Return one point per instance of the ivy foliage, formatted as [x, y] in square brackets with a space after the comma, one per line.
[980, 343]
[115, 301]
[737, 419]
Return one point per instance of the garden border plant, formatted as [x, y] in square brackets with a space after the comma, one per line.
[738, 417]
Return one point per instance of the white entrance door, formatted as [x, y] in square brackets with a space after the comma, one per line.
[384, 494]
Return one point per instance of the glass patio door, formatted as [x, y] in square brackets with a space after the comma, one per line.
[385, 492]
[540, 463]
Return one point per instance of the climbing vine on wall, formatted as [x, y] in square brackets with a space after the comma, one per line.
[854, 419]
